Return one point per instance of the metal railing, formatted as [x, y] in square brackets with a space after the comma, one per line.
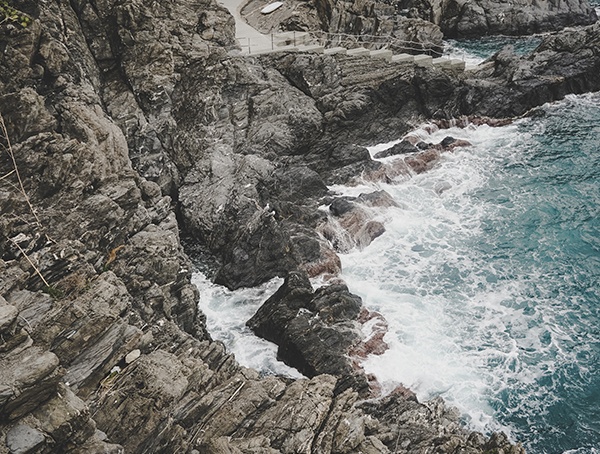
[347, 40]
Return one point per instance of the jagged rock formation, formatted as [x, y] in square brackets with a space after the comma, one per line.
[368, 23]
[509, 85]
[473, 18]
[422, 22]
[129, 121]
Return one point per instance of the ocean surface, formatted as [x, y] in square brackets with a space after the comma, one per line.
[489, 277]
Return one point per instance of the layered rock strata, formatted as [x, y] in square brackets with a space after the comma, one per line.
[474, 18]
[370, 24]
[126, 122]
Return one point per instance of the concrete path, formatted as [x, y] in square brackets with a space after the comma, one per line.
[249, 37]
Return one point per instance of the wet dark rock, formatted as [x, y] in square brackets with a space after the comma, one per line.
[485, 17]
[423, 161]
[261, 252]
[341, 206]
[403, 147]
[313, 329]
[380, 199]
[352, 223]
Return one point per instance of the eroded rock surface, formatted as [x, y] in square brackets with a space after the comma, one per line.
[475, 18]
[131, 121]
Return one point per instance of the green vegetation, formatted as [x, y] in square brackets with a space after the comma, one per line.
[11, 14]
[54, 292]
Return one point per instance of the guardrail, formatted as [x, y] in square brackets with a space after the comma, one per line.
[333, 40]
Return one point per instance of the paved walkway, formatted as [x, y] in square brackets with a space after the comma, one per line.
[248, 37]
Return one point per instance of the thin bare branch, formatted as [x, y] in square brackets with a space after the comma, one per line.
[38, 272]
[7, 175]
[10, 152]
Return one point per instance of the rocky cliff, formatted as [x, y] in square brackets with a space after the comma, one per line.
[473, 18]
[368, 23]
[422, 22]
[127, 123]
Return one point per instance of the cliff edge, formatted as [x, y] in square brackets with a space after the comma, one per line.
[126, 124]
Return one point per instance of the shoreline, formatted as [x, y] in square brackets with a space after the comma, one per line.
[142, 123]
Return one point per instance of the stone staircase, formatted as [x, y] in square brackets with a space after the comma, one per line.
[303, 42]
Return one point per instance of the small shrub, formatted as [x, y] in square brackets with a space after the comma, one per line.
[54, 292]
[11, 14]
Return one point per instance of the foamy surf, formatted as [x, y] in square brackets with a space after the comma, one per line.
[478, 275]
[226, 315]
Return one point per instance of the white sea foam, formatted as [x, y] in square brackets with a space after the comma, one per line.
[226, 315]
[454, 52]
[588, 450]
[449, 320]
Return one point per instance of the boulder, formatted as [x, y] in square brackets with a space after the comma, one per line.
[8, 316]
[403, 147]
[66, 419]
[260, 252]
[27, 380]
[22, 439]
[314, 330]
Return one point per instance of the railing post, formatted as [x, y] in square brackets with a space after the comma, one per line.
[272, 42]
[294, 39]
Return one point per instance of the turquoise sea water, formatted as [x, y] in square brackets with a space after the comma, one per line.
[483, 48]
[489, 275]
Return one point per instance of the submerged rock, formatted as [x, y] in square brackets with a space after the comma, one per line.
[400, 148]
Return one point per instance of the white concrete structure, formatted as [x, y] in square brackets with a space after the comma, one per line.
[457, 65]
[403, 58]
[442, 62]
[291, 38]
[274, 50]
[384, 54]
[358, 51]
[335, 50]
[423, 60]
[315, 48]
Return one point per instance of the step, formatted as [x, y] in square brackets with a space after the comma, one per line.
[442, 62]
[315, 48]
[358, 51]
[423, 60]
[403, 58]
[457, 65]
[335, 50]
[273, 51]
[383, 54]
